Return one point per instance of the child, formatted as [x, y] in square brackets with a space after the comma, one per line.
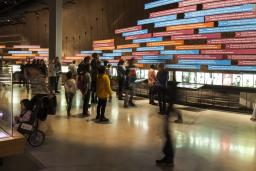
[103, 91]
[70, 91]
[25, 111]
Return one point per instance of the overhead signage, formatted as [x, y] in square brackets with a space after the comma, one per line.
[231, 68]
[173, 11]
[177, 52]
[200, 57]
[241, 46]
[128, 46]
[26, 46]
[130, 29]
[159, 3]
[232, 40]
[247, 63]
[227, 29]
[233, 16]
[39, 49]
[178, 66]
[171, 33]
[230, 52]
[140, 36]
[135, 33]
[91, 52]
[130, 57]
[105, 48]
[19, 52]
[157, 19]
[205, 62]
[227, 3]
[194, 2]
[151, 53]
[122, 50]
[2, 46]
[161, 57]
[166, 43]
[104, 41]
[196, 36]
[107, 57]
[190, 26]
[112, 54]
[151, 61]
[154, 48]
[246, 34]
[242, 8]
[156, 39]
[180, 22]
[191, 47]
[237, 22]
[242, 57]
[103, 45]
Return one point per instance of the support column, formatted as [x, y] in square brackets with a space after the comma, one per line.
[55, 28]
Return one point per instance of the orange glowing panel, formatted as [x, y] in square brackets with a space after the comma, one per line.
[83, 55]
[74, 58]
[104, 41]
[190, 26]
[39, 49]
[24, 55]
[14, 57]
[166, 43]
[128, 46]
[195, 47]
[105, 48]
[2, 46]
[26, 46]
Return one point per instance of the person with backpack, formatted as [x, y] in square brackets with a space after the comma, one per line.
[120, 78]
[72, 68]
[103, 93]
[130, 79]
[70, 91]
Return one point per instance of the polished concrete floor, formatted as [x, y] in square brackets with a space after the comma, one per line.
[207, 141]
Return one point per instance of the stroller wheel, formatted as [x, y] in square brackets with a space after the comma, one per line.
[36, 138]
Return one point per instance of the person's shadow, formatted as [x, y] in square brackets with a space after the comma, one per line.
[165, 168]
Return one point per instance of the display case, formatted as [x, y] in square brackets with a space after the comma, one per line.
[6, 102]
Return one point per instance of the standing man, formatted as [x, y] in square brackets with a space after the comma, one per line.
[152, 84]
[58, 73]
[52, 75]
[121, 78]
[161, 84]
[95, 65]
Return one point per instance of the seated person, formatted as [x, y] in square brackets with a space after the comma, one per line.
[25, 112]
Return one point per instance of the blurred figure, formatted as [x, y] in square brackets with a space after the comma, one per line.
[253, 118]
[73, 69]
[103, 93]
[130, 79]
[120, 78]
[70, 91]
[58, 73]
[152, 84]
[86, 89]
[52, 75]
[95, 65]
[161, 85]
[43, 68]
[82, 64]
[21, 75]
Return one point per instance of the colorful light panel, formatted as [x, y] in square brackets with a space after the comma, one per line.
[231, 68]
[190, 26]
[227, 29]
[112, 54]
[157, 39]
[135, 33]
[177, 52]
[150, 48]
[130, 29]
[159, 3]
[191, 47]
[177, 66]
[205, 62]
[157, 19]
[128, 46]
[179, 22]
[122, 51]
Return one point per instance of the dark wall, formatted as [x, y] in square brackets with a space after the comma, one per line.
[83, 22]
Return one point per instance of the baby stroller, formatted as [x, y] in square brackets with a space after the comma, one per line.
[43, 106]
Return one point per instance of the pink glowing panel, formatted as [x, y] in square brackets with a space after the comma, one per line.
[233, 16]
[232, 40]
[130, 57]
[73, 58]
[241, 46]
[247, 63]
[200, 57]
[171, 33]
[103, 45]
[140, 36]
[113, 61]
[173, 11]
[227, 3]
[197, 36]
[26, 46]
[146, 53]
[242, 57]
[195, 2]
[130, 29]
[246, 34]
[230, 52]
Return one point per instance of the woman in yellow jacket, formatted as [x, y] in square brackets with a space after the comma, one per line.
[103, 91]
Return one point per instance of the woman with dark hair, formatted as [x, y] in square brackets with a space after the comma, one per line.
[58, 73]
[95, 65]
[121, 78]
[152, 84]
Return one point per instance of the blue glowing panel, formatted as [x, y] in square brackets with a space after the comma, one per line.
[112, 54]
[151, 61]
[135, 33]
[107, 58]
[205, 62]
[237, 22]
[159, 3]
[157, 39]
[43, 52]
[180, 22]
[177, 66]
[91, 52]
[150, 48]
[231, 68]
[180, 52]
[167, 57]
[122, 50]
[19, 52]
[227, 29]
[242, 8]
[157, 19]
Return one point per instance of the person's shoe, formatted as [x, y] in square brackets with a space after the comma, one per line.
[178, 121]
[132, 104]
[253, 119]
[57, 92]
[165, 162]
[104, 119]
[161, 113]
[125, 106]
